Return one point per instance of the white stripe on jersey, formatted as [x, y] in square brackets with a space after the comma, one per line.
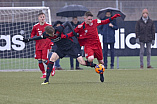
[36, 24]
[47, 23]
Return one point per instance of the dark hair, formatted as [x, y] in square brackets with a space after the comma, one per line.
[49, 29]
[88, 14]
[41, 13]
[109, 11]
[74, 17]
[57, 22]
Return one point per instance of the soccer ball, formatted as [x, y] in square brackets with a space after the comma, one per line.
[99, 68]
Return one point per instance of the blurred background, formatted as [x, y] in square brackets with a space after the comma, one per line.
[131, 8]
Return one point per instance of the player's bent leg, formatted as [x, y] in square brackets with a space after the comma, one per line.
[53, 58]
[46, 62]
[101, 75]
[85, 63]
[81, 60]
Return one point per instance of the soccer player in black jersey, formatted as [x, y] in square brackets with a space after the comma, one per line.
[65, 47]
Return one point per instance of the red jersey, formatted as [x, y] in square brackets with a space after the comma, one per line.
[88, 34]
[38, 30]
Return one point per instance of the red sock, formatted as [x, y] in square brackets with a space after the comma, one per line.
[41, 66]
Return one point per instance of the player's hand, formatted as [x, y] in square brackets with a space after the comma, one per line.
[25, 40]
[60, 28]
[115, 16]
[63, 36]
[76, 34]
[51, 44]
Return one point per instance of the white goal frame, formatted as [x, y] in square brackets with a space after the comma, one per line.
[13, 63]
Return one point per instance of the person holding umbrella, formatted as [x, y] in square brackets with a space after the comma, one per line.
[88, 37]
[74, 23]
[108, 33]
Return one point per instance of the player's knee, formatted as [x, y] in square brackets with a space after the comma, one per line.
[40, 61]
[52, 59]
[91, 58]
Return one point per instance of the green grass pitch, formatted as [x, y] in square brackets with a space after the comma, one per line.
[80, 87]
[132, 62]
[127, 85]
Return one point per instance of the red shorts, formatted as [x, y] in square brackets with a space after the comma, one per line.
[95, 51]
[42, 54]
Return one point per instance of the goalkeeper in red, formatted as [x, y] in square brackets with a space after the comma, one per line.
[88, 37]
[42, 46]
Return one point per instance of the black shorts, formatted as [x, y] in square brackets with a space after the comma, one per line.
[74, 51]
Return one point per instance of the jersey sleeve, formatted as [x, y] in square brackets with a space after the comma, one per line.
[59, 28]
[102, 22]
[70, 34]
[77, 29]
[44, 35]
[33, 33]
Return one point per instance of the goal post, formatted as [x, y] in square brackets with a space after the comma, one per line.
[16, 23]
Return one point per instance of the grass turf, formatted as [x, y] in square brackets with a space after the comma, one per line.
[132, 62]
[80, 87]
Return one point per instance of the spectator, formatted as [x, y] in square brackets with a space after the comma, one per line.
[74, 23]
[108, 33]
[145, 34]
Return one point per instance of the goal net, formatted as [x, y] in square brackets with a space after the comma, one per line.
[16, 23]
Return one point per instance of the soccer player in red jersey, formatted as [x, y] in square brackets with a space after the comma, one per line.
[42, 46]
[88, 36]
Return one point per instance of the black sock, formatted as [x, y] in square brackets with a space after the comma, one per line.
[49, 69]
[91, 64]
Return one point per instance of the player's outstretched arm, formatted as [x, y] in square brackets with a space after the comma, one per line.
[62, 27]
[115, 16]
[108, 20]
[67, 23]
[34, 38]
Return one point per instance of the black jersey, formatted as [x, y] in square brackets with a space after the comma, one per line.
[63, 44]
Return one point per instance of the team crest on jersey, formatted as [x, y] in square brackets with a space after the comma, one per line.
[86, 31]
[40, 33]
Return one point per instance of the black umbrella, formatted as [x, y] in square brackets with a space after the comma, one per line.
[102, 12]
[72, 11]
[120, 20]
